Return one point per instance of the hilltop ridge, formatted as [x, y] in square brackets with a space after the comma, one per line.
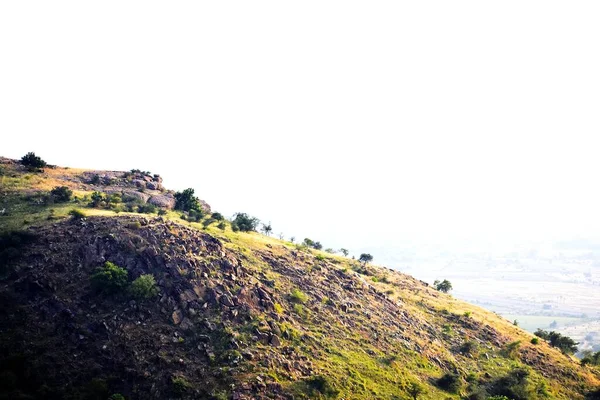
[235, 315]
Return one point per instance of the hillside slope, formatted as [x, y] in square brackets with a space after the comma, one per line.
[237, 315]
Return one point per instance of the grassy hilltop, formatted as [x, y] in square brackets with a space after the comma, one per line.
[108, 292]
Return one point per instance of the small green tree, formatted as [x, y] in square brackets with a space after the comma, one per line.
[144, 287]
[61, 194]
[245, 223]
[32, 161]
[109, 278]
[217, 216]
[365, 258]
[444, 286]
[267, 229]
[186, 201]
[344, 252]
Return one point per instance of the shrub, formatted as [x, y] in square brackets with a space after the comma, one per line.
[61, 194]
[144, 287]
[109, 278]
[468, 347]
[146, 208]
[95, 179]
[322, 385]
[535, 340]
[245, 223]
[591, 358]
[180, 385]
[365, 258]
[555, 339]
[444, 286]
[32, 161]
[116, 396]
[77, 214]
[298, 297]
[467, 314]
[186, 201]
[97, 200]
[511, 350]
[449, 382]
[235, 227]
[217, 216]
[162, 211]
[222, 225]
[278, 308]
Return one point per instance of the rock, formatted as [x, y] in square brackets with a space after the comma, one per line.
[164, 201]
[177, 317]
[153, 185]
[132, 194]
[275, 341]
[226, 301]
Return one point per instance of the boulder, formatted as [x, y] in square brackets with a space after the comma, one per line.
[177, 317]
[163, 201]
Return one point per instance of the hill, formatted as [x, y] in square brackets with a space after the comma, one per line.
[232, 315]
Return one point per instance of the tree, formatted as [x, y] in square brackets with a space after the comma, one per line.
[444, 286]
[32, 161]
[365, 258]
[293, 239]
[308, 242]
[267, 229]
[61, 194]
[344, 252]
[317, 246]
[186, 201]
[245, 223]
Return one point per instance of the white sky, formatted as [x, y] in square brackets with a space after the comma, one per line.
[354, 123]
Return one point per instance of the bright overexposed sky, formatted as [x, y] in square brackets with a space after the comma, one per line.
[357, 123]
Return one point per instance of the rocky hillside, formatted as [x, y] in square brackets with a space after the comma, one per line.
[232, 315]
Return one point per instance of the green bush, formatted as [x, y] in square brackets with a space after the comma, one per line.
[245, 223]
[511, 350]
[77, 214]
[322, 385]
[97, 200]
[116, 396]
[32, 161]
[180, 385]
[146, 208]
[186, 201]
[109, 278]
[298, 297]
[217, 216]
[450, 383]
[144, 287]
[535, 340]
[222, 225]
[468, 347]
[444, 286]
[61, 194]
